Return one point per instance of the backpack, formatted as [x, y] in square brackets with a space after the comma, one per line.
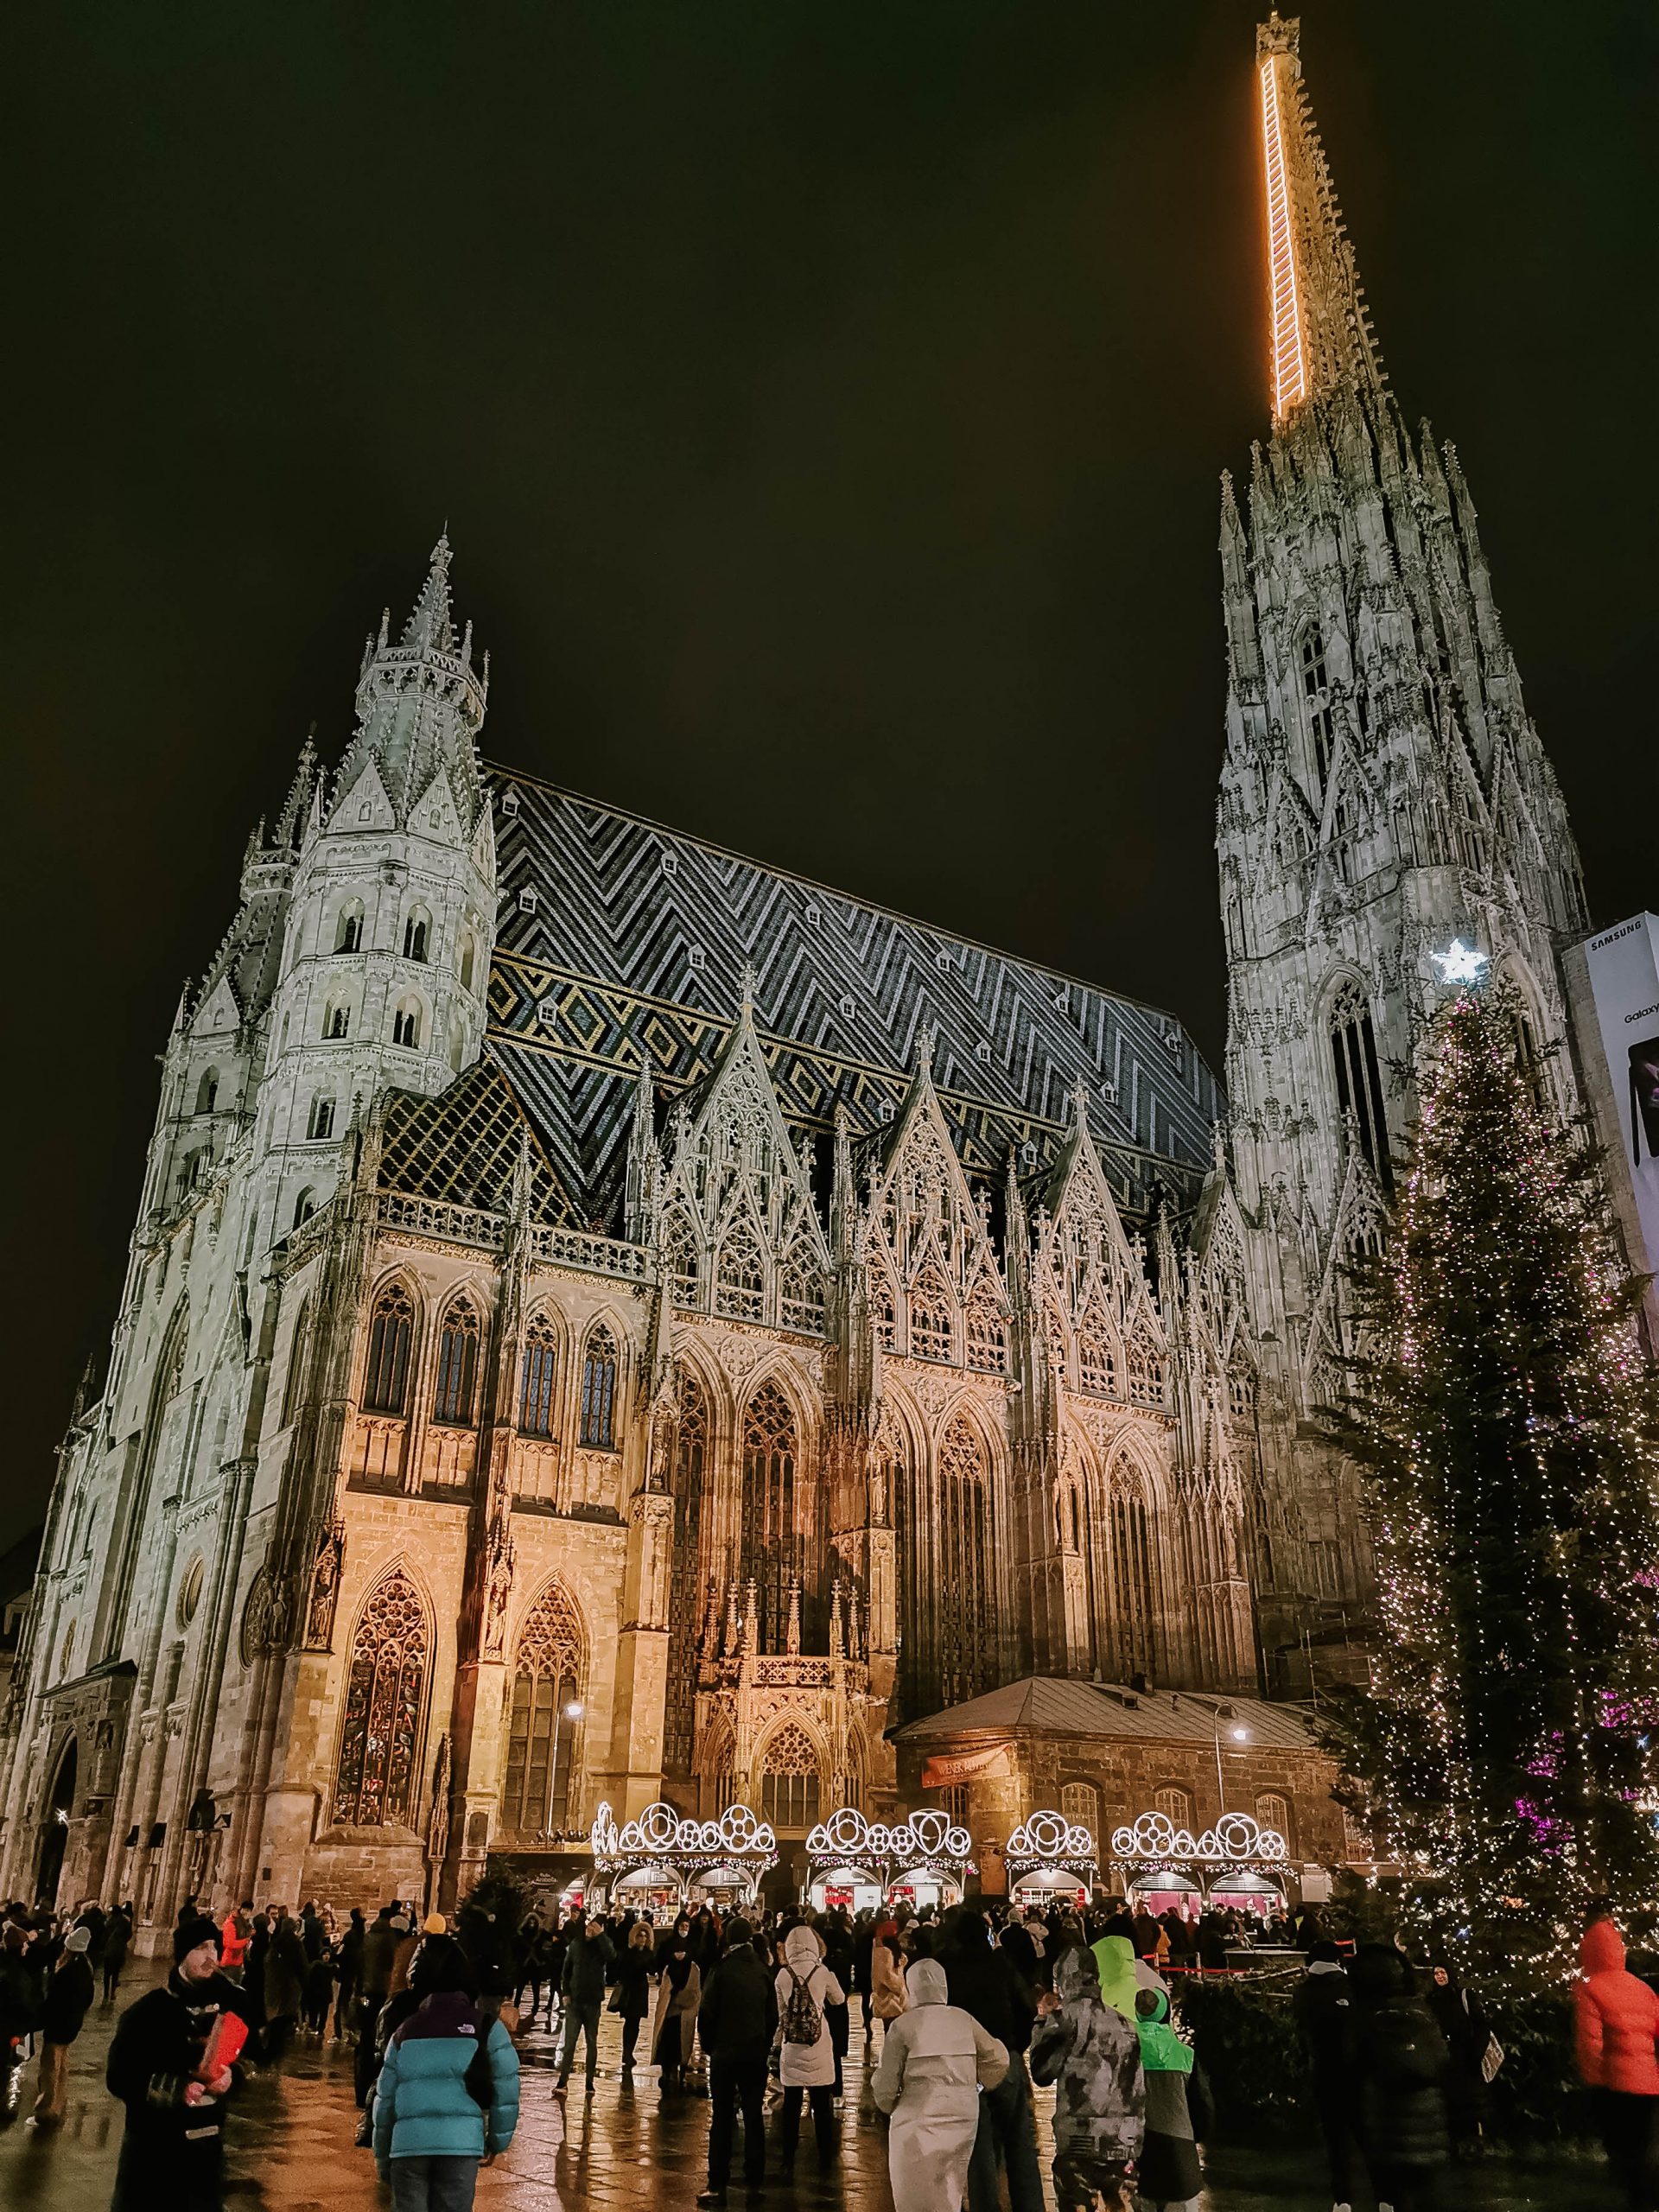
[478, 2080]
[803, 2022]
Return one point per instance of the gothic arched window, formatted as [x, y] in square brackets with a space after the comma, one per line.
[884, 1310]
[207, 1091]
[348, 936]
[385, 1693]
[790, 1780]
[321, 1122]
[686, 1592]
[536, 1382]
[406, 1025]
[800, 1293]
[1176, 1806]
[452, 1400]
[740, 1278]
[771, 1554]
[337, 1022]
[1316, 698]
[1273, 1811]
[966, 1610]
[1145, 1372]
[598, 1391]
[298, 1344]
[391, 1337]
[1130, 1536]
[416, 930]
[1241, 1390]
[1080, 1804]
[537, 1797]
[468, 958]
[1359, 1081]
[933, 1318]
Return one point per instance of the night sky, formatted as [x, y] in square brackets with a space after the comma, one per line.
[826, 404]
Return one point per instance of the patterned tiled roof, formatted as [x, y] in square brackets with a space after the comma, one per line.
[463, 1147]
[617, 937]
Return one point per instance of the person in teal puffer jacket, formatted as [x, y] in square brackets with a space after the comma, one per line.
[430, 2131]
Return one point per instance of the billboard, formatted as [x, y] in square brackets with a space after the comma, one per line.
[1624, 965]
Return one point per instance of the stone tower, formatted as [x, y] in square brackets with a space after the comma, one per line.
[1384, 793]
[392, 906]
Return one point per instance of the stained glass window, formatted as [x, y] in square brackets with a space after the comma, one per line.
[791, 1786]
[392, 1335]
[542, 1734]
[770, 1552]
[598, 1391]
[686, 1590]
[966, 1612]
[386, 1691]
[1132, 1583]
[1359, 1080]
[536, 1391]
[457, 1367]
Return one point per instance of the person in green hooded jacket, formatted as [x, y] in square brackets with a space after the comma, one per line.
[1178, 2110]
[1119, 1983]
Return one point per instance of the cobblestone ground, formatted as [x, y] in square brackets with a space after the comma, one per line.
[291, 2151]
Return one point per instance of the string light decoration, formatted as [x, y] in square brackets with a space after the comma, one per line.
[1508, 1422]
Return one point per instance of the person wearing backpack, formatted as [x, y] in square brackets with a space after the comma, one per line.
[442, 2104]
[1401, 2065]
[806, 2058]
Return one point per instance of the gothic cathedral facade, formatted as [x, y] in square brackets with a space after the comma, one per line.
[608, 1320]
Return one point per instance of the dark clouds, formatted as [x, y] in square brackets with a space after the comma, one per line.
[826, 403]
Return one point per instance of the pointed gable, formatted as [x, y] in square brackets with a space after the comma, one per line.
[363, 804]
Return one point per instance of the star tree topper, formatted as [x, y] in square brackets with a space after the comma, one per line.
[1460, 964]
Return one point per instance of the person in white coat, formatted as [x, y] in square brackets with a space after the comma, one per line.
[935, 2060]
[806, 2068]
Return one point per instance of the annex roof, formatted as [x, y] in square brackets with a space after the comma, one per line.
[1047, 1704]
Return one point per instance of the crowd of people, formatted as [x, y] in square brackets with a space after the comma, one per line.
[962, 2011]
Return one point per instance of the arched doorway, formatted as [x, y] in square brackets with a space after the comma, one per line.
[54, 1828]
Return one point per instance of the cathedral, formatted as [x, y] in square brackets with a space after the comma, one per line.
[608, 1320]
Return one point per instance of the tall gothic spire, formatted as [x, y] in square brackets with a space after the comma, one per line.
[1320, 334]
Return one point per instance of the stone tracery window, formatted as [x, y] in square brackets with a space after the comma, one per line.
[988, 1334]
[933, 1318]
[598, 1391]
[540, 1736]
[740, 1277]
[1359, 1080]
[1316, 698]
[685, 1593]
[1129, 1538]
[966, 1602]
[884, 1310]
[1145, 1372]
[771, 1552]
[801, 1294]
[385, 1695]
[790, 1783]
[680, 1259]
[457, 1383]
[1097, 1355]
[1241, 1390]
[391, 1337]
[535, 1377]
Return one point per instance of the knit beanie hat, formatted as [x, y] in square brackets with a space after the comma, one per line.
[78, 1939]
[435, 1924]
[191, 1933]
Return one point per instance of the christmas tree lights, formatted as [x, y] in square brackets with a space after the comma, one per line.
[1508, 1422]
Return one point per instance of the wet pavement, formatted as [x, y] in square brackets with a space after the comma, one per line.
[292, 2149]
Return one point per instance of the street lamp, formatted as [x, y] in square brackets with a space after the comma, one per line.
[1239, 1736]
[572, 1711]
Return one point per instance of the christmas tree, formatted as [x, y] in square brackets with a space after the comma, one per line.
[1509, 1420]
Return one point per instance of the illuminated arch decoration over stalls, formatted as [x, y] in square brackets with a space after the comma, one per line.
[662, 1857]
[1236, 1863]
[1049, 1856]
[920, 1861]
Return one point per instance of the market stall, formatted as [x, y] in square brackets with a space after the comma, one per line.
[860, 1865]
[1237, 1865]
[1050, 1859]
[662, 1862]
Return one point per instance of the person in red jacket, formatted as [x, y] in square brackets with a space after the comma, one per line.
[1617, 2019]
[233, 1940]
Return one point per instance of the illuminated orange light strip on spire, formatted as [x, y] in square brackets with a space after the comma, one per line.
[1289, 366]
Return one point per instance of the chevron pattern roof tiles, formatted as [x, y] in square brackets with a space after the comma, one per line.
[634, 938]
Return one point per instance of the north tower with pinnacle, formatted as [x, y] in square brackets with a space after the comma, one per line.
[1384, 794]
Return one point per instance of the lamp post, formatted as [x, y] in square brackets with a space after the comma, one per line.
[1239, 1736]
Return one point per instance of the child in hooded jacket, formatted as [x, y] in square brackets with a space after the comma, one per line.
[1179, 2110]
[1617, 2019]
[1089, 2050]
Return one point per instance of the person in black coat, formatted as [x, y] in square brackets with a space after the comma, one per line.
[116, 1937]
[70, 1990]
[1459, 2015]
[1402, 2066]
[1325, 2012]
[987, 1984]
[172, 2153]
[737, 2021]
